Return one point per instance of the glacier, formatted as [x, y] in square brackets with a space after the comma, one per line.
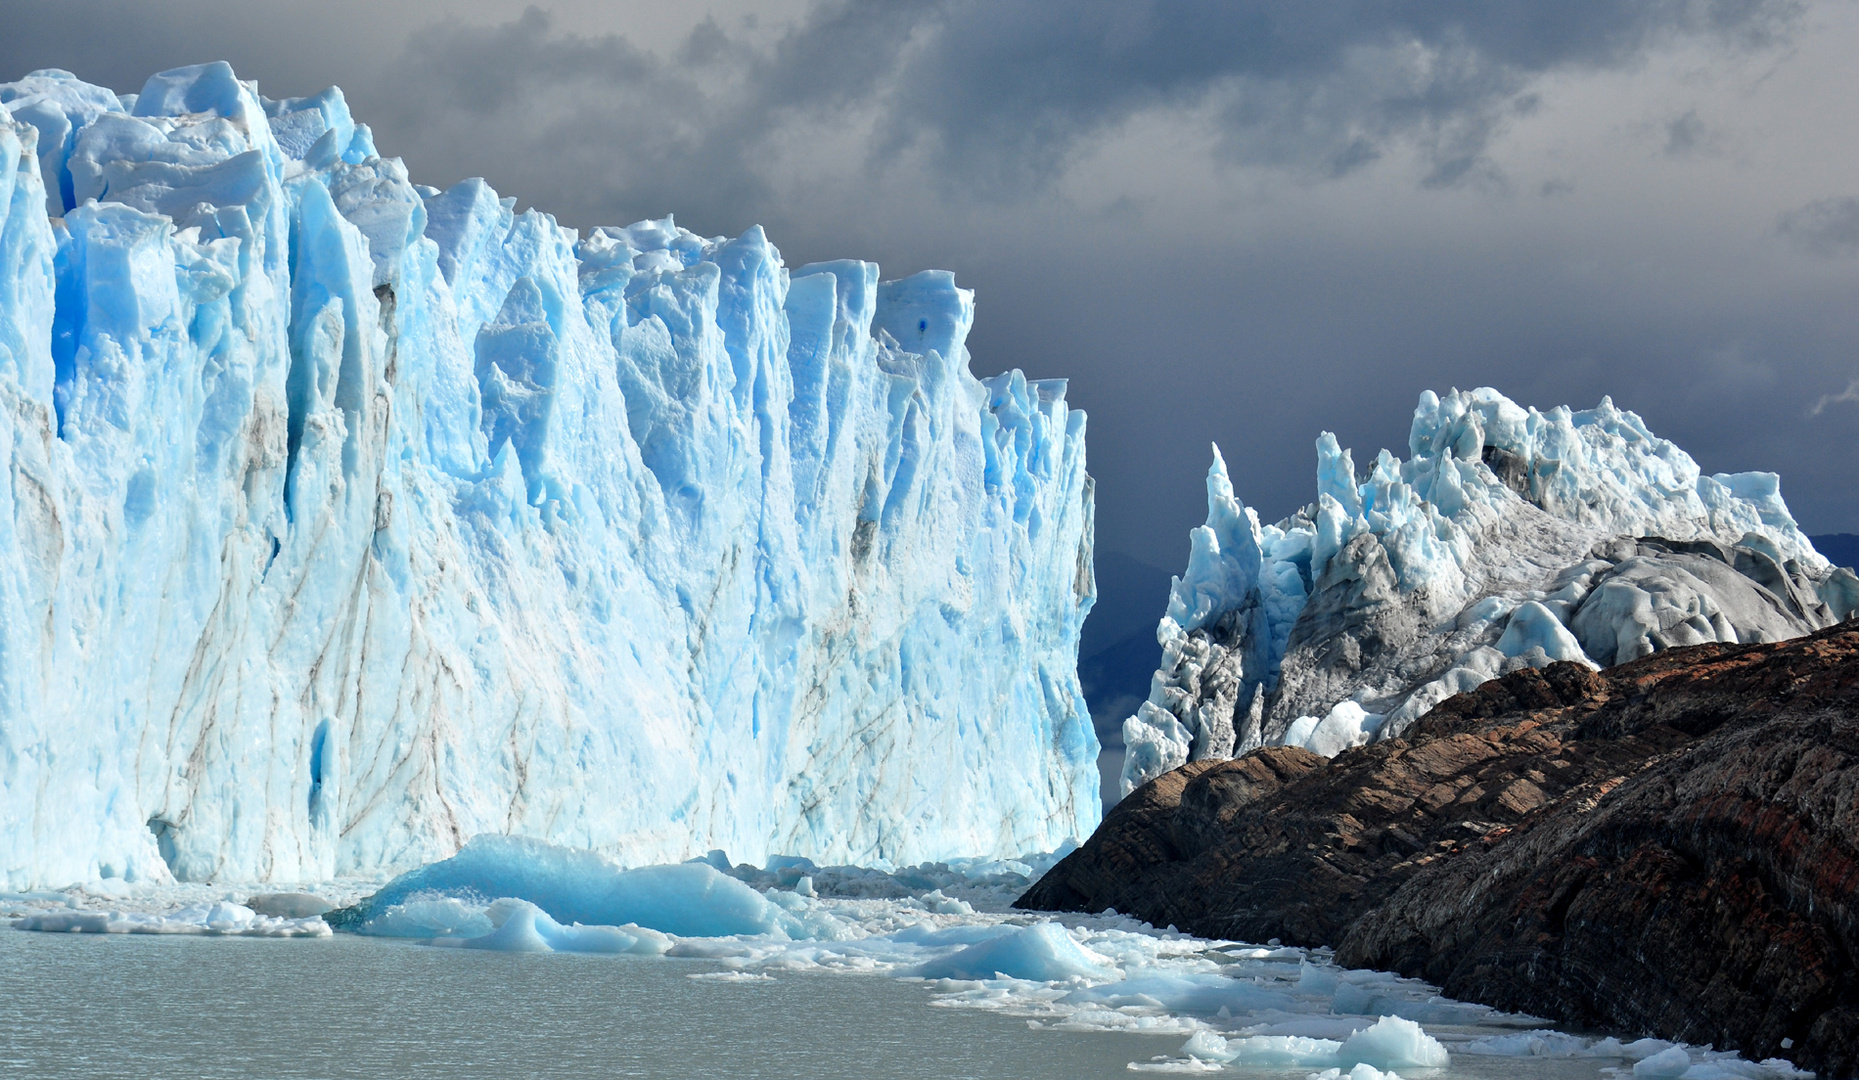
[1509, 537]
[346, 519]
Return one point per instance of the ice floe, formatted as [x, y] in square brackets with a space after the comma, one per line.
[222, 918]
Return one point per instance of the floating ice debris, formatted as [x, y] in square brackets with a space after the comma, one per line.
[1228, 1005]
[289, 905]
[520, 926]
[221, 919]
[1388, 1043]
[1358, 1072]
[1393, 1042]
[1042, 952]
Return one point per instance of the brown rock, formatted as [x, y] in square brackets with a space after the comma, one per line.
[1670, 846]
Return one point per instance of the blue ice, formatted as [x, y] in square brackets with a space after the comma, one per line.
[352, 519]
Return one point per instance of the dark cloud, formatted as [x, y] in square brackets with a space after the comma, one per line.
[1828, 227]
[1686, 134]
[589, 127]
[993, 98]
[294, 48]
[984, 98]
[1244, 221]
[1005, 90]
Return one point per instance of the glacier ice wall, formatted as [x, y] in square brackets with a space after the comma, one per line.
[345, 519]
[1510, 537]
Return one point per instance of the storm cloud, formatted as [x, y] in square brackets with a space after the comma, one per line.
[1236, 222]
[996, 101]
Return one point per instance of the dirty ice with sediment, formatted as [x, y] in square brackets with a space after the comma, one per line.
[1509, 538]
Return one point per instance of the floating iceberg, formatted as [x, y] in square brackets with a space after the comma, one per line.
[1388, 1043]
[1509, 538]
[1042, 951]
[349, 519]
[691, 899]
[519, 926]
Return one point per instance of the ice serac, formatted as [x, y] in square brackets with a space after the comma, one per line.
[1509, 538]
[344, 520]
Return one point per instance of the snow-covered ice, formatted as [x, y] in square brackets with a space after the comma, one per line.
[350, 519]
[1508, 538]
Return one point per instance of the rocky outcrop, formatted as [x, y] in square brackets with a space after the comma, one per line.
[1668, 846]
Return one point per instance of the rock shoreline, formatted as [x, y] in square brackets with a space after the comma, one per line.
[1669, 846]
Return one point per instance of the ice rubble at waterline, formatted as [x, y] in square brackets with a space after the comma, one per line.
[1227, 1006]
[219, 918]
[348, 519]
[1509, 537]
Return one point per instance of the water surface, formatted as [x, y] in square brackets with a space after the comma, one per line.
[190, 1008]
[193, 1008]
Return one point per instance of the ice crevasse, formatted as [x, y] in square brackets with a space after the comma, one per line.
[345, 519]
[1509, 538]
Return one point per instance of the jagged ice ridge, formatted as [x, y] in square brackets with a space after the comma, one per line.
[345, 519]
[1510, 537]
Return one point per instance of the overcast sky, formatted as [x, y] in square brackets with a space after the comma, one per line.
[1240, 222]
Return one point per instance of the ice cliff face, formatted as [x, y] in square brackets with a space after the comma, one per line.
[345, 519]
[1509, 538]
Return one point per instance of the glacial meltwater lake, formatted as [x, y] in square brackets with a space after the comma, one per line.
[207, 1008]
